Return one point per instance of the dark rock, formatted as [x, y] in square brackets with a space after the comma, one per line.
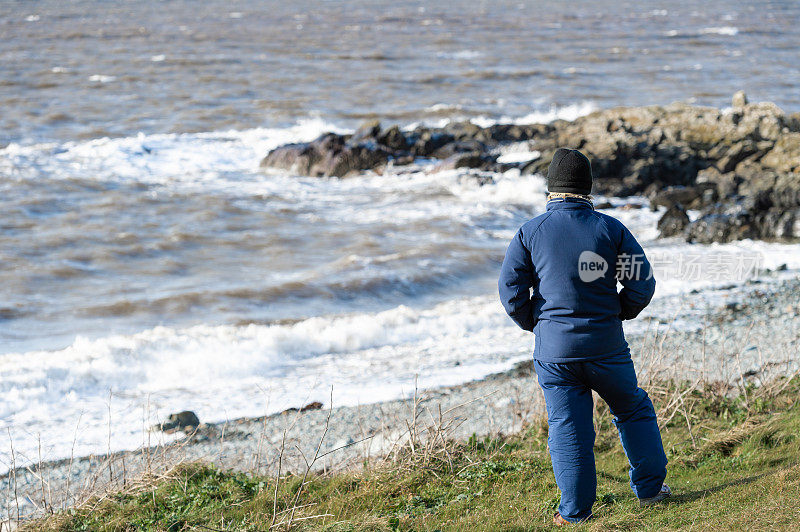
[736, 154]
[674, 221]
[689, 197]
[724, 184]
[401, 160]
[367, 132]
[426, 142]
[393, 139]
[329, 155]
[722, 225]
[459, 146]
[186, 421]
[473, 159]
[464, 131]
[747, 158]
[517, 133]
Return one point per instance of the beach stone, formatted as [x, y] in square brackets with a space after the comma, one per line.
[185, 421]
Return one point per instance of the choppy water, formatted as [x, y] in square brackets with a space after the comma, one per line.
[143, 251]
[85, 69]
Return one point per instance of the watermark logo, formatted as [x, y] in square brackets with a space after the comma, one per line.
[703, 265]
[591, 266]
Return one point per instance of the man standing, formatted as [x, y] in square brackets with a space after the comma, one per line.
[559, 281]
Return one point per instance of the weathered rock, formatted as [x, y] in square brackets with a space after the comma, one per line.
[459, 146]
[426, 142]
[473, 159]
[368, 131]
[674, 221]
[690, 197]
[785, 154]
[675, 154]
[329, 155]
[725, 184]
[722, 225]
[736, 154]
[739, 100]
[393, 139]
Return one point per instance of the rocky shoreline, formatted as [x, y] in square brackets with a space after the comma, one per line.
[722, 175]
[750, 338]
[739, 167]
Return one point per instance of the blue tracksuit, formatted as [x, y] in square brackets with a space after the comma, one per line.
[559, 280]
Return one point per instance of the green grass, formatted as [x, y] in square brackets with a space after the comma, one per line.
[739, 468]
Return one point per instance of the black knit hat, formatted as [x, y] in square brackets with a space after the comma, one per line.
[569, 171]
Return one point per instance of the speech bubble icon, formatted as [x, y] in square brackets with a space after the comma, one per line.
[591, 266]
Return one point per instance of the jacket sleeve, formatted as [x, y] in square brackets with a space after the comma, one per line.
[636, 276]
[516, 280]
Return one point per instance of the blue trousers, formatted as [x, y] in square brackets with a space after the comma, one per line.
[568, 393]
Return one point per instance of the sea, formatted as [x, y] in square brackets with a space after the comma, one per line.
[148, 265]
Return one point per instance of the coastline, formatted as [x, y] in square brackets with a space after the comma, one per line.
[749, 339]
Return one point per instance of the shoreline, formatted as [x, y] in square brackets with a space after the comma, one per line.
[745, 340]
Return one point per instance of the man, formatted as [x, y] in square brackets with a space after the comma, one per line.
[559, 281]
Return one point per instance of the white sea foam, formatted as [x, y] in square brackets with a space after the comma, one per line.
[198, 158]
[568, 112]
[721, 30]
[257, 369]
[102, 78]
[461, 54]
[518, 156]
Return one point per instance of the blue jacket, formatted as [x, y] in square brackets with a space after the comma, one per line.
[559, 280]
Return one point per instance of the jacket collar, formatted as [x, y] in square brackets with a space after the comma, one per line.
[569, 203]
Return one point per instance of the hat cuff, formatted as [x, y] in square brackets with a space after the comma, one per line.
[571, 190]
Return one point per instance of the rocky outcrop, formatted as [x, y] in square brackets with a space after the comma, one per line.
[740, 167]
[329, 155]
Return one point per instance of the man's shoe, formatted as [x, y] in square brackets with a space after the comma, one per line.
[560, 521]
[665, 493]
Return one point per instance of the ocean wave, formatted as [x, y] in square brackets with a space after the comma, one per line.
[155, 372]
[567, 112]
[158, 158]
[201, 159]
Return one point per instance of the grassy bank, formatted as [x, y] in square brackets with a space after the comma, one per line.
[734, 464]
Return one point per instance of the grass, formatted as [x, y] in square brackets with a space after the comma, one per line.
[734, 464]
